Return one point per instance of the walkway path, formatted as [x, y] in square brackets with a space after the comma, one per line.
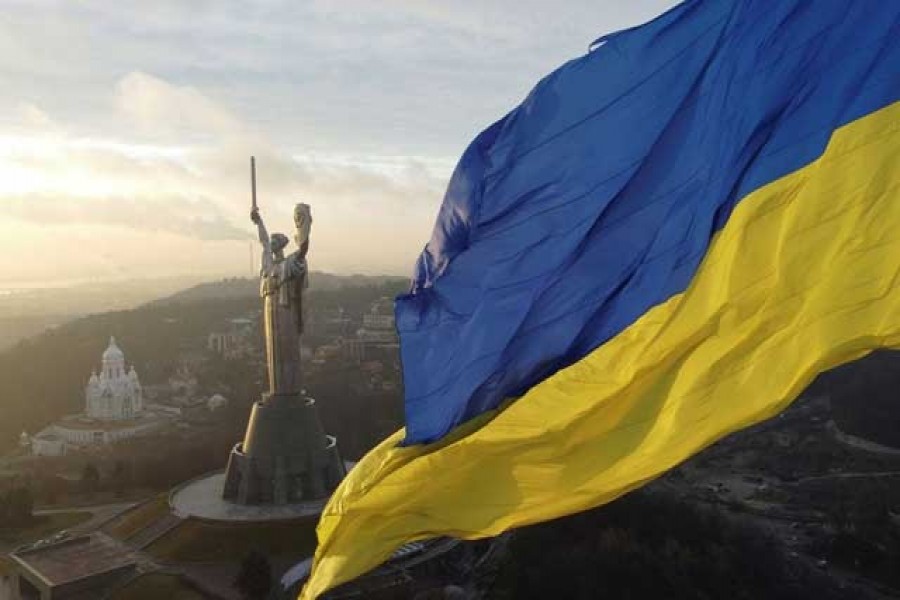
[860, 443]
[100, 514]
[856, 475]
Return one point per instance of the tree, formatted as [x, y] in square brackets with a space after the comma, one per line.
[90, 478]
[51, 489]
[21, 503]
[254, 580]
[121, 477]
[16, 507]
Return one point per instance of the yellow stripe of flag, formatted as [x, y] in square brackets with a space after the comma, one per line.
[803, 277]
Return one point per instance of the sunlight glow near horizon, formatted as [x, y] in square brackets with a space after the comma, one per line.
[125, 155]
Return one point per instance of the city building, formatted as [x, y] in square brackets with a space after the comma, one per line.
[378, 324]
[377, 338]
[115, 394]
[216, 402]
[114, 410]
[72, 569]
[47, 443]
[183, 386]
[234, 341]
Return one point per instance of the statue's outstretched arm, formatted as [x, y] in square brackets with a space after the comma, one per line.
[264, 239]
[261, 228]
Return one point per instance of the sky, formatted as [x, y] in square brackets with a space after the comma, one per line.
[126, 128]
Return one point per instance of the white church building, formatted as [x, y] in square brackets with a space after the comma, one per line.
[114, 394]
[114, 410]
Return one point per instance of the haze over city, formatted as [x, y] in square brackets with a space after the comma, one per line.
[124, 138]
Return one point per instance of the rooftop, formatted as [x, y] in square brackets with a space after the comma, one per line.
[74, 559]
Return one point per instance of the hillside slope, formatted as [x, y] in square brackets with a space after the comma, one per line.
[42, 378]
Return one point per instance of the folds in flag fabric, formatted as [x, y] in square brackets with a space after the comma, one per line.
[664, 243]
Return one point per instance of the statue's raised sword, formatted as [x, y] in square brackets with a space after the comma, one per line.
[253, 182]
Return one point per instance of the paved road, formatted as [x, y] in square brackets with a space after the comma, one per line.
[116, 506]
[856, 475]
[100, 514]
[860, 443]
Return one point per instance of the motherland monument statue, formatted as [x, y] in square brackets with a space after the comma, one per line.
[285, 456]
[283, 282]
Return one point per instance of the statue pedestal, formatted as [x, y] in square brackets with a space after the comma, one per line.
[285, 457]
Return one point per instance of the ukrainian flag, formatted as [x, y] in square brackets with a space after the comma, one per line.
[664, 243]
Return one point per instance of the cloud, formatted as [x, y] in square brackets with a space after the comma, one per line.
[200, 191]
[120, 129]
[160, 108]
[34, 119]
[197, 218]
[401, 76]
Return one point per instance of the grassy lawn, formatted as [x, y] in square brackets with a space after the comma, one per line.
[155, 586]
[42, 526]
[5, 566]
[200, 541]
[78, 499]
[132, 521]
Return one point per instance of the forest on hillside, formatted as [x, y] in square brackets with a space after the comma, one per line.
[866, 397]
[43, 378]
[651, 544]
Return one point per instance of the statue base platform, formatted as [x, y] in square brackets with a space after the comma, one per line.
[285, 457]
[202, 498]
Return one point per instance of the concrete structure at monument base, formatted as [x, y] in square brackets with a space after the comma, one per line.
[285, 457]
